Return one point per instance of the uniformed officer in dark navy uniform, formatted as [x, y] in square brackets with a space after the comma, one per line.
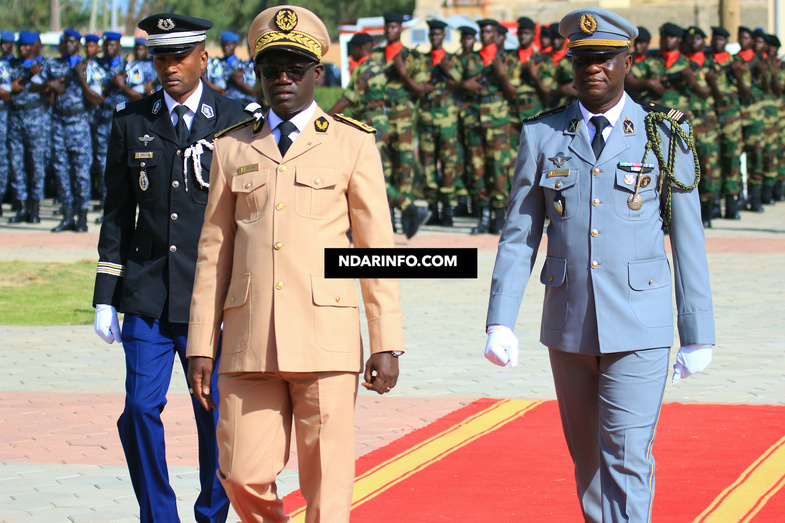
[158, 165]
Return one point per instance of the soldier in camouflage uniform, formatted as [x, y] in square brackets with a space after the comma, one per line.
[27, 130]
[769, 103]
[751, 99]
[721, 77]
[556, 72]
[531, 91]
[405, 83]
[7, 42]
[437, 128]
[640, 64]
[489, 77]
[778, 77]
[469, 129]
[71, 148]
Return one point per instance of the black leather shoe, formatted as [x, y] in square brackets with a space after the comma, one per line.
[412, 218]
[446, 218]
[32, 213]
[497, 223]
[732, 207]
[21, 215]
[434, 219]
[484, 225]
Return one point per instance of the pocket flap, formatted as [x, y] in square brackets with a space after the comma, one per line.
[554, 272]
[334, 292]
[316, 177]
[559, 179]
[649, 274]
[247, 182]
[237, 294]
[627, 180]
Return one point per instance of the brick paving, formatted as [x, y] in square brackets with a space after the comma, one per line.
[62, 388]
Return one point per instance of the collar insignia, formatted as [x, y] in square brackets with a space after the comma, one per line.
[560, 159]
[156, 106]
[165, 24]
[574, 124]
[207, 111]
[258, 124]
[321, 124]
[146, 139]
[628, 126]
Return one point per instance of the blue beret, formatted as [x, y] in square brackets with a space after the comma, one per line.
[596, 31]
[140, 41]
[228, 36]
[111, 35]
[71, 32]
[7, 36]
[27, 38]
[91, 38]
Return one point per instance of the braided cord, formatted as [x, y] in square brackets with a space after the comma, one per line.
[667, 170]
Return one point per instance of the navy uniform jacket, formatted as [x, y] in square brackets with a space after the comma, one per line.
[607, 277]
[146, 264]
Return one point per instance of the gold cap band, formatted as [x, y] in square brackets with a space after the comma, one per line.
[595, 42]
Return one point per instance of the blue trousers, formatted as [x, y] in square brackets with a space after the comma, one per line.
[27, 144]
[72, 155]
[150, 346]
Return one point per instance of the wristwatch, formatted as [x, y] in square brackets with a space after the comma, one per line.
[395, 353]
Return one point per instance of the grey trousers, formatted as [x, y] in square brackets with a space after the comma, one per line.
[609, 407]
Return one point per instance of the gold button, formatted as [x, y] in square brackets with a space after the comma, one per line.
[558, 185]
[550, 279]
[595, 171]
[247, 185]
[279, 285]
[175, 184]
[337, 299]
[279, 206]
[173, 248]
[174, 216]
[595, 202]
[278, 246]
[595, 232]
[651, 282]
[317, 181]
[594, 265]
[232, 299]
[282, 168]
[178, 152]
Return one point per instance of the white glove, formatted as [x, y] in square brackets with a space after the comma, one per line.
[502, 346]
[106, 324]
[690, 360]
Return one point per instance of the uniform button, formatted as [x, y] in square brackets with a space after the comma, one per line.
[174, 216]
[337, 299]
[550, 279]
[594, 264]
[595, 171]
[175, 184]
[279, 206]
[278, 246]
[173, 248]
[595, 202]
[247, 185]
[142, 164]
[279, 285]
[282, 168]
[558, 185]
[651, 282]
[232, 299]
[595, 232]
[317, 181]
[178, 152]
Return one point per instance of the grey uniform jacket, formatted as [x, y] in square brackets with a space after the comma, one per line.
[607, 277]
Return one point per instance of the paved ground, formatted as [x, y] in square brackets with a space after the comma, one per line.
[61, 387]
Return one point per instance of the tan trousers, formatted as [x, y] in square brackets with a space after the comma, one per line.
[254, 433]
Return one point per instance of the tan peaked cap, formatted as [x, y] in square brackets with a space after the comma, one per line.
[289, 28]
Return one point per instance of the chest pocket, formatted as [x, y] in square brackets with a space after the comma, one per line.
[147, 173]
[625, 188]
[315, 191]
[561, 191]
[253, 195]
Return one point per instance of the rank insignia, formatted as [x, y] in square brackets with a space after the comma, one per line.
[144, 183]
[560, 159]
[558, 172]
[574, 124]
[645, 181]
[207, 111]
[629, 179]
[257, 126]
[321, 124]
[156, 106]
[628, 126]
[146, 139]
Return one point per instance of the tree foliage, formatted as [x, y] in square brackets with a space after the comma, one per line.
[34, 15]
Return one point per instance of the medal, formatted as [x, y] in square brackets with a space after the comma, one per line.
[144, 183]
[635, 200]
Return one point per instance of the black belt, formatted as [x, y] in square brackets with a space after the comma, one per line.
[26, 107]
[69, 112]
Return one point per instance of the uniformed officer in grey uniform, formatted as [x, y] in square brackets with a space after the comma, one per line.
[607, 315]
[6, 38]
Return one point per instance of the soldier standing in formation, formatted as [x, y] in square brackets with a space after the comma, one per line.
[6, 42]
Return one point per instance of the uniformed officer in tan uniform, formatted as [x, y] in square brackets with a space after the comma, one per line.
[286, 187]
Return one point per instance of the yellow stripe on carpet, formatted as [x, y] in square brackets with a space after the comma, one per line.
[746, 496]
[391, 472]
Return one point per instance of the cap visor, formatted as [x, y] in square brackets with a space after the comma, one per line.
[287, 49]
[170, 50]
[583, 51]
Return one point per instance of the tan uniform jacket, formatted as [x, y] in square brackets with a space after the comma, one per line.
[261, 252]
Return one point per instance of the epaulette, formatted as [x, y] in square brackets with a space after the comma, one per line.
[354, 123]
[544, 114]
[235, 127]
[673, 113]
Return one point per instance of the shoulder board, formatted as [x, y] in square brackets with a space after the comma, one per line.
[354, 123]
[235, 127]
[673, 113]
[544, 114]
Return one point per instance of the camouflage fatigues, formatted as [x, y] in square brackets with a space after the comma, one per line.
[752, 123]
[231, 65]
[528, 102]
[769, 109]
[140, 72]
[706, 133]
[555, 74]
[5, 84]
[677, 94]
[728, 113]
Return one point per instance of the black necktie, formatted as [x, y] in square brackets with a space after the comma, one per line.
[286, 127]
[598, 142]
[181, 128]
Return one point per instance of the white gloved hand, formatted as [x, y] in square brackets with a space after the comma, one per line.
[690, 360]
[106, 324]
[502, 346]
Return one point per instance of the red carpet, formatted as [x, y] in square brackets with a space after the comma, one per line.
[502, 460]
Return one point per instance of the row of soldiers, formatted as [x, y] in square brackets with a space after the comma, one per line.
[464, 111]
[71, 99]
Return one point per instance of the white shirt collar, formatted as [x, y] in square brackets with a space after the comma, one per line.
[300, 120]
[611, 114]
[192, 103]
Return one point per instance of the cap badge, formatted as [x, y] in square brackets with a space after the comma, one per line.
[165, 24]
[588, 24]
[286, 20]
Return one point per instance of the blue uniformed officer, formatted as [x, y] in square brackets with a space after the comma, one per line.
[27, 130]
[157, 179]
[599, 170]
[140, 73]
[76, 90]
[7, 42]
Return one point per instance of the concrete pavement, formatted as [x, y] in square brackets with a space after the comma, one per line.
[61, 387]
